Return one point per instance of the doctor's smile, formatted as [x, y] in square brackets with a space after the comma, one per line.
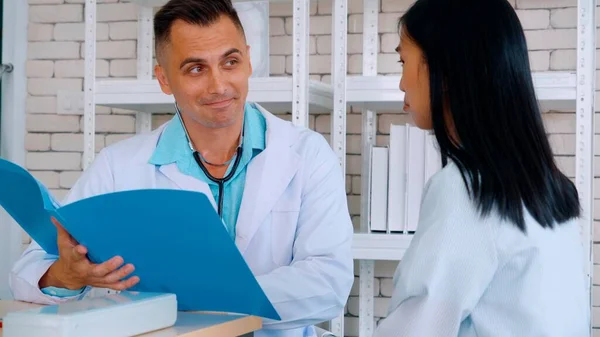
[220, 104]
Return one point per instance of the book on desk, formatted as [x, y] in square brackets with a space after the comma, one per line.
[124, 314]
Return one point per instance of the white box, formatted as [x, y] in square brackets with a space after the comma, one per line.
[397, 179]
[124, 314]
[415, 179]
[379, 191]
[254, 16]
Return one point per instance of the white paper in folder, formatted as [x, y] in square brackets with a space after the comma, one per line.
[397, 181]
[379, 190]
[416, 175]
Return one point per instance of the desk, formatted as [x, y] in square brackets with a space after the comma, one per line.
[188, 324]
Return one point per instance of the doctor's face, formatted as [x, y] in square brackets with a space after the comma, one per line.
[415, 83]
[207, 70]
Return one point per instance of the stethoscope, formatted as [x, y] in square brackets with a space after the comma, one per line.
[200, 160]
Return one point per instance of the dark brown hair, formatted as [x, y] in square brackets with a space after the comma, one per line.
[197, 12]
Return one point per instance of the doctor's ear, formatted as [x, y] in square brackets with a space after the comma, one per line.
[159, 72]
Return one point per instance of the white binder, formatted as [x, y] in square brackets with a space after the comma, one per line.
[379, 190]
[433, 159]
[415, 176]
[397, 179]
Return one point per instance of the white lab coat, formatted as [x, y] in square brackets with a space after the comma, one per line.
[293, 229]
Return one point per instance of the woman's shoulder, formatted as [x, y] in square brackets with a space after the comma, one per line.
[449, 219]
[448, 186]
[446, 204]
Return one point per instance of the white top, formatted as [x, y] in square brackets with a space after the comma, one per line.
[466, 276]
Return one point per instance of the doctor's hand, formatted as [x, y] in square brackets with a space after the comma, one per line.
[73, 270]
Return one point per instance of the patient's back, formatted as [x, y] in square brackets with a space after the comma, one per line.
[539, 287]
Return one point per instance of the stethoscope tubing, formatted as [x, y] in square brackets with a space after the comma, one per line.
[220, 181]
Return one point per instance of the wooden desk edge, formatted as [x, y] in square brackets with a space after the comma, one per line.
[237, 327]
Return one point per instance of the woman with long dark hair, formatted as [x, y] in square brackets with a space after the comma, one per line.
[498, 250]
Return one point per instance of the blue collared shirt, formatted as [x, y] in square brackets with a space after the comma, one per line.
[173, 148]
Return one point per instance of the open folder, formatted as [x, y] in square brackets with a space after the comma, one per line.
[174, 238]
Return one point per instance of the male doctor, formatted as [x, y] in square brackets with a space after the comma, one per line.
[283, 199]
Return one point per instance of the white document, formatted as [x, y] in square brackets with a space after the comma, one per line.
[415, 176]
[397, 179]
[379, 189]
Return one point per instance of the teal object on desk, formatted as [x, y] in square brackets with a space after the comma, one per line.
[174, 238]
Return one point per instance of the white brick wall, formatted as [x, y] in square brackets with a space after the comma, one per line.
[37, 142]
[563, 59]
[52, 123]
[40, 69]
[117, 12]
[534, 19]
[68, 178]
[531, 4]
[41, 104]
[76, 32]
[58, 161]
[56, 13]
[75, 69]
[56, 50]
[53, 50]
[39, 32]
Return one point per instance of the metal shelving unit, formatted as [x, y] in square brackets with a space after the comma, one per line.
[561, 91]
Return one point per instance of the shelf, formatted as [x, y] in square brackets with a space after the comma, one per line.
[158, 3]
[382, 246]
[273, 93]
[374, 92]
[556, 91]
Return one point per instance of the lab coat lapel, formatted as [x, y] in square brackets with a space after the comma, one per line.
[267, 177]
[186, 182]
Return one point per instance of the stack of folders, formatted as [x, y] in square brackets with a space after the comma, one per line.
[399, 174]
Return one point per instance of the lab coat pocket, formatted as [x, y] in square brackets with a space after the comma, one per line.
[283, 233]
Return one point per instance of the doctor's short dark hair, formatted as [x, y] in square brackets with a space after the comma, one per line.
[479, 75]
[196, 12]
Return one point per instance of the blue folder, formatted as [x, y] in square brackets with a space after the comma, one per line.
[174, 238]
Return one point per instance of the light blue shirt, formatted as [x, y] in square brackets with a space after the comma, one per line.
[466, 276]
[173, 148]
